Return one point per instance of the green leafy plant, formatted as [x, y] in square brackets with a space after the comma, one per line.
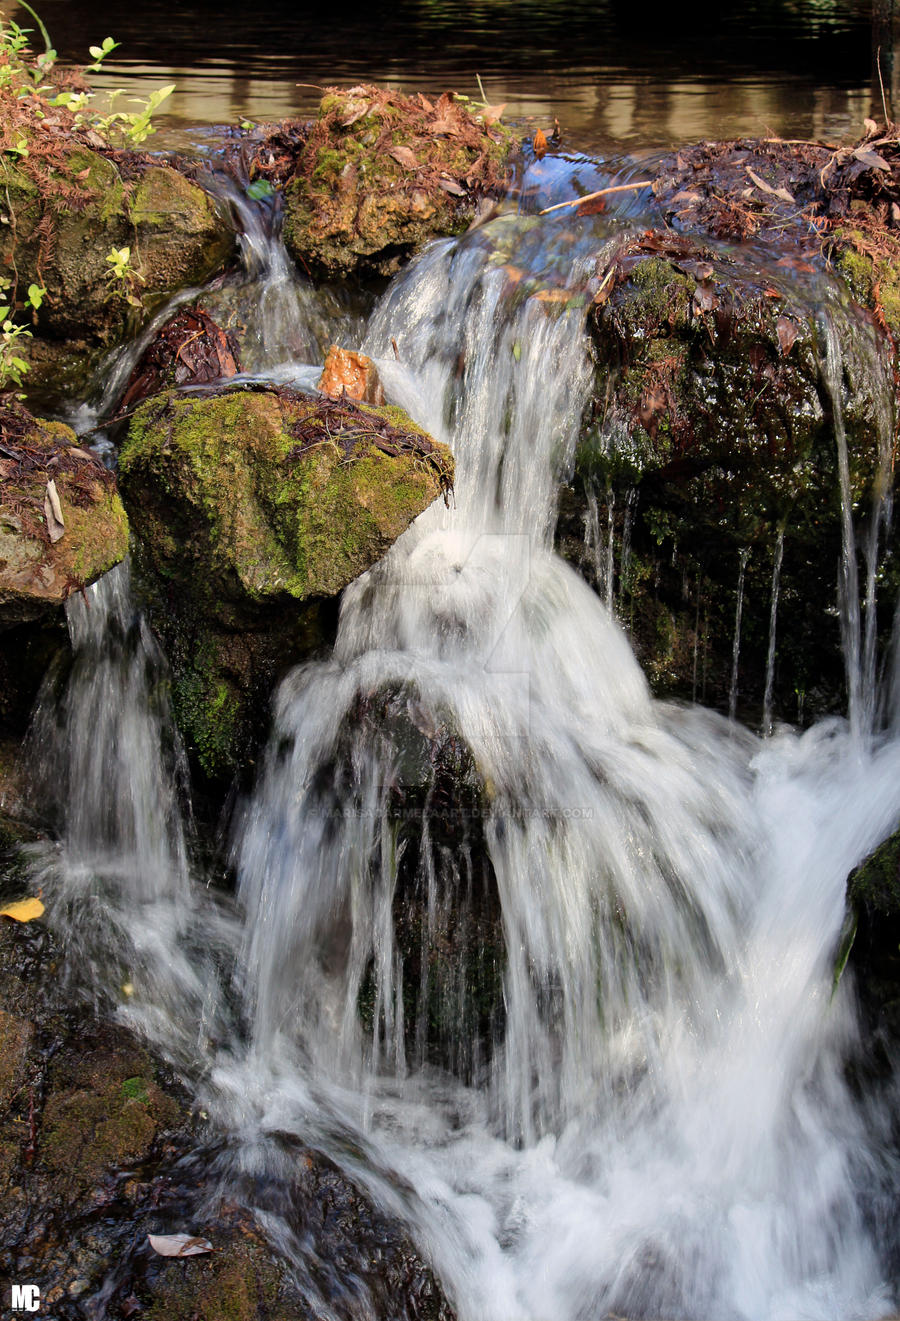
[122, 277]
[12, 365]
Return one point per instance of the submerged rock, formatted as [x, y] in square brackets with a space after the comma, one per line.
[379, 173]
[248, 504]
[61, 520]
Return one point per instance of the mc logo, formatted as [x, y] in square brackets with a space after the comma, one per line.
[25, 1298]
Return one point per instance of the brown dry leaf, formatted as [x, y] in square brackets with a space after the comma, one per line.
[787, 333]
[795, 264]
[771, 293]
[492, 114]
[705, 297]
[23, 910]
[871, 159]
[56, 528]
[452, 187]
[355, 111]
[403, 156]
[553, 295]
[426, 104]
[179, 1245]
[539, 143]
[871, 127]
[444, 128]
[514, 274]
[764, 187]
[594, 207]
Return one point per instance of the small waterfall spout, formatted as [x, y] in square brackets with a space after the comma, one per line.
[773, 621]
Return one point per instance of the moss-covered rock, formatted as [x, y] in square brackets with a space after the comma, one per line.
[380, 173]
[712, 435]
[247, 504]
[44, 558]
[65, 218]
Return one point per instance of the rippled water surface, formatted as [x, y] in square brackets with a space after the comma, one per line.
[616, 75]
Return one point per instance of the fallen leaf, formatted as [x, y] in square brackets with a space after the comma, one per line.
[553, 295]
[403, 156]
[871, 159]
[450, 186]
[426, 104]
[179, 1245]
[444, 128]
[355, 111]
[705, 297]
[871, 127]
[594, 207]
[54, 503]
[788, 331]
[771, 293]
[55, 526]
[492, 114]
[23, 910]
[764, 187]
[795, 264]
[540, 144]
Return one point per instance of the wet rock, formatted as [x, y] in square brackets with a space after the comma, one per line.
[99, 1148]
[189, 349]
[873, 894]
[350, 375]
[379, 173]
[713, 431]
[61, 521]
[248, 504]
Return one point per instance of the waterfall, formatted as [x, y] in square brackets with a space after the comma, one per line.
[736, 644]
[105, 754]
[656, 1123]
[544, 963]
[773, 621]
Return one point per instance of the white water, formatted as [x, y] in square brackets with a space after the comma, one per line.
[662, 1129]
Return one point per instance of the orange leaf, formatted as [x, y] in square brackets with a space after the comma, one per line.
[540, 144]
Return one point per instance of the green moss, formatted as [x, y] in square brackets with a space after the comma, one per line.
[664, 293]
[873, 281]
[876, 882]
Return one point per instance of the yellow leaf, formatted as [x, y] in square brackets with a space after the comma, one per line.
[23, 910]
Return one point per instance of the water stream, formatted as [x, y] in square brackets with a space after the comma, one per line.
[650, 1119]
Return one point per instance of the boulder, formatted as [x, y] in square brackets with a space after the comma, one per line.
[713, 442]
[67, 206]
[248, 504]
[378, 173]
[61, 520]
[100, 1146]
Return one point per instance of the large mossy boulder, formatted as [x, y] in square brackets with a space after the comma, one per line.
[67, 206]
[379, 173]
[712, 445]
[253, 509]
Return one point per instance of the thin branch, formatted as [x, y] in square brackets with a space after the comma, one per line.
[601, 192]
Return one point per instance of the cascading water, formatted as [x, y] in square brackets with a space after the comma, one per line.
[648, 1116]
[661, 1127]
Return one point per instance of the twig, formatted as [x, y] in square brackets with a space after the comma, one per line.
[887, 119]
[601, 192]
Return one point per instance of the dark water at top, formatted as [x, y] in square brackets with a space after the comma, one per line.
[617, 74]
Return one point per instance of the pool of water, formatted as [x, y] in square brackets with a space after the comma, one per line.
[617, 77]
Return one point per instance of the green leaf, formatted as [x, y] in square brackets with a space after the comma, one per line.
[259, 189]
[95, 52]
